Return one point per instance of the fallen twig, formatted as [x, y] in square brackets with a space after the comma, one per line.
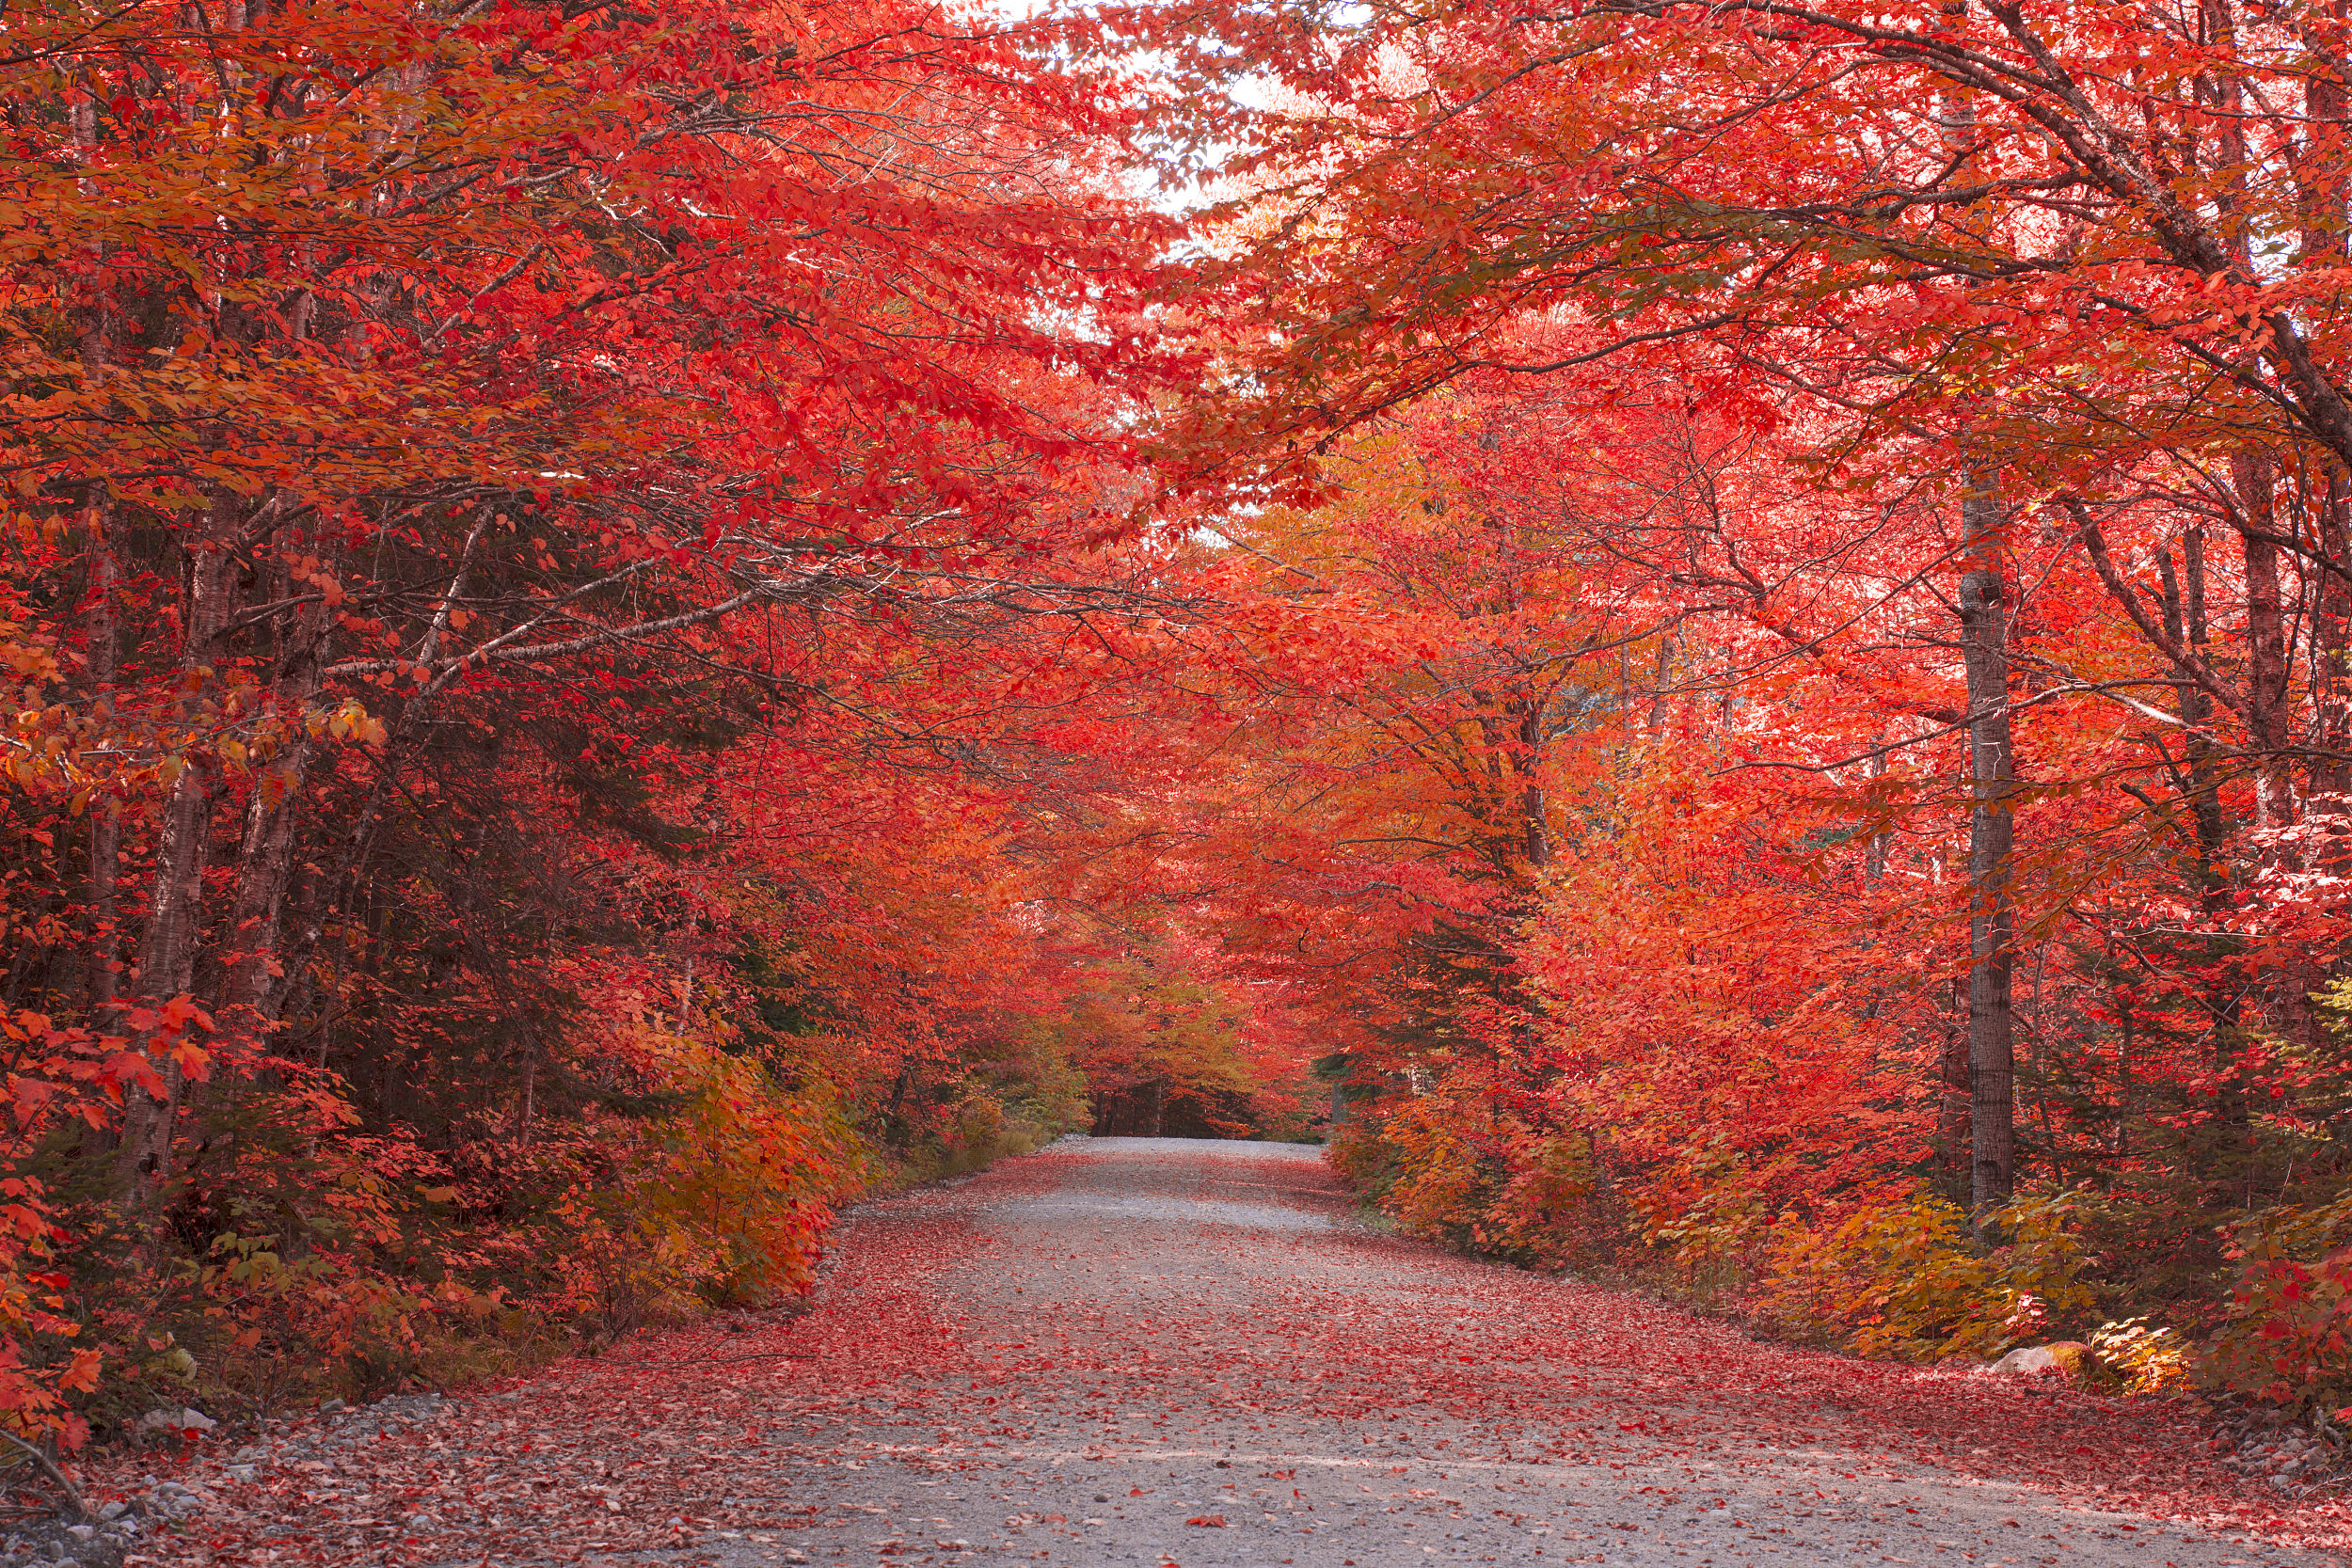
[72, 1494]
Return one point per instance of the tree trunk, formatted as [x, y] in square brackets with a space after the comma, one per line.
[105, 813]
[1992, 1044]
[2267, 714]
[1984, 648]
[165, 967]
[1531, 793]
[265, 867]
[166, 963]
[2320, 187]
[265, 864]
[2330, 775]
[1955, 1114]
[99, 626]
[1874, 853]
[2185, 623]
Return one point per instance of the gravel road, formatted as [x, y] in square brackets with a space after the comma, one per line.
[1180, 1332]
[1158, 1351]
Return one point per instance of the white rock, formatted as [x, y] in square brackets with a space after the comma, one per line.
[188, 1420]
[2036, 1358]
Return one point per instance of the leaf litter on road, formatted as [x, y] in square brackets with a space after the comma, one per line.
[1101, 1366]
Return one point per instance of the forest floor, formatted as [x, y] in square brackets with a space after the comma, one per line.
[1154, 1352]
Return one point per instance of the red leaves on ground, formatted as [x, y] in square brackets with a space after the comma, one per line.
[1275, 1341]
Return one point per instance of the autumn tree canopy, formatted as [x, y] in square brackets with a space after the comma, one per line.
[1712, 635]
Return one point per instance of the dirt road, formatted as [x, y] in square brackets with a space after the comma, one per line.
[1153, 1352]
